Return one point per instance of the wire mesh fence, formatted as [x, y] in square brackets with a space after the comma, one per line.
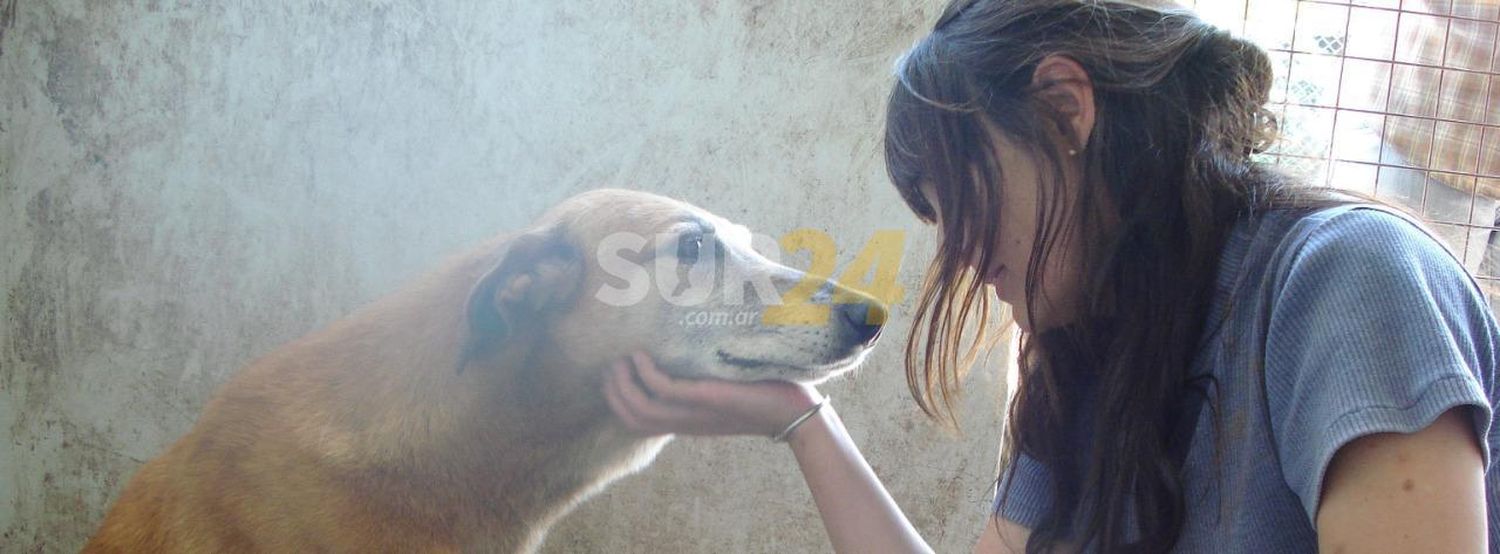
[1396, 98]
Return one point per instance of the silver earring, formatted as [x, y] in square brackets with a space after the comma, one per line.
[1072, 152]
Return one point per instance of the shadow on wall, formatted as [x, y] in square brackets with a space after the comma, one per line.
[185, 187]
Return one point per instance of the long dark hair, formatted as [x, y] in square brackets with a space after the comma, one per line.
[1167, 169]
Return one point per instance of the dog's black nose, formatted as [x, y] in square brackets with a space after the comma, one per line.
[863, 320]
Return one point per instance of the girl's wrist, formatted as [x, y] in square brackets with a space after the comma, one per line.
[817, 428]
[783, 434]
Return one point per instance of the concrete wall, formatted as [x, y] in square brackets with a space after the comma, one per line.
[185, 185]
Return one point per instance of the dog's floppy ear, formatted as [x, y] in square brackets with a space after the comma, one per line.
[537, 275]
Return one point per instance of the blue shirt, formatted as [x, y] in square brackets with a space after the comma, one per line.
[1335, 324]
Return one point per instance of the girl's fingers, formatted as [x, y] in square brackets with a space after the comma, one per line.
[627, 406]
[650, 401]
[618, 406]
[654, 414]
[659, 384]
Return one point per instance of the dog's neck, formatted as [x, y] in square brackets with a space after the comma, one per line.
[509, 445]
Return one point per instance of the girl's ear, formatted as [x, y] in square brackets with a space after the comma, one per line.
[1064, 85]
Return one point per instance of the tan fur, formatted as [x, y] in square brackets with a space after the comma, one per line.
[363, 437]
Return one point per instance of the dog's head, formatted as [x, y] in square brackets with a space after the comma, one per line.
[609, 272]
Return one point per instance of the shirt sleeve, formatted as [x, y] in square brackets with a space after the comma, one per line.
[1024, 497]
[1373, 327]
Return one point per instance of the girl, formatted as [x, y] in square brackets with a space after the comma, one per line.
[1213, 357]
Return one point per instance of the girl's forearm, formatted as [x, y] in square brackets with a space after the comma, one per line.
[858, 513]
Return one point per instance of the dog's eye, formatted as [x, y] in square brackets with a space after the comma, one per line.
[689, 246]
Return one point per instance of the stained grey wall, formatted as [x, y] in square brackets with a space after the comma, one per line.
[186, 185]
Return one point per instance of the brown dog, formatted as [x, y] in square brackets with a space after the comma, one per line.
[464, 412]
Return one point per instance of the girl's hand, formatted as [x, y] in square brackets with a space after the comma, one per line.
[651, 402]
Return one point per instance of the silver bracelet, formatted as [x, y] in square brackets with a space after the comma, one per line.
[781, 437]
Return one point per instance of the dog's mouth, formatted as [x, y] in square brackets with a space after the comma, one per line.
[745, 363]
[758, 364]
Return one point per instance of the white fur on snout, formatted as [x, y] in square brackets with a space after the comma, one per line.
[641, 296]
[730, 321]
